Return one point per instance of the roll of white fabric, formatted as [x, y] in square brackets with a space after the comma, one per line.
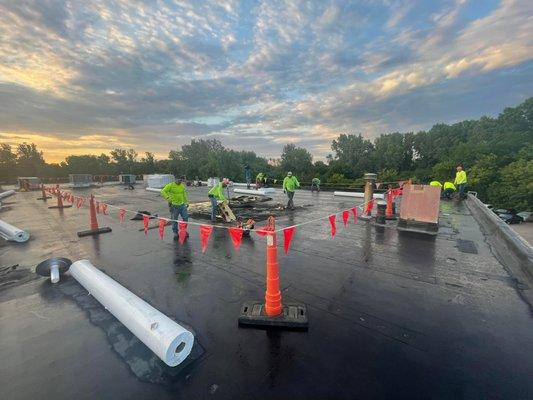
[10, 232]
[357, 194]
[7, 193]
[255, 192]
[167, 339]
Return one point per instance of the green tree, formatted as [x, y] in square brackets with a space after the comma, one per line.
[8, 163]
[515, 188]
[297, 160]
[30, 161]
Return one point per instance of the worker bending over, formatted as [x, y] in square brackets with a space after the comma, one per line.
[175, 193]
[259, 179]
[290, 184]
[448, 190]
[315, 184]
[215, 195]
[435, 183]
[460, 182]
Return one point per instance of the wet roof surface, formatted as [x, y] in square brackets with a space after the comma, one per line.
[390, 315]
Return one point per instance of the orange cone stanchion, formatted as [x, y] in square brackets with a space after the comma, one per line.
[60, 204]
[389, 212]
[272, 313]
[95, 230]
[44, 196]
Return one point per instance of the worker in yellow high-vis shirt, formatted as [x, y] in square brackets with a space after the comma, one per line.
[460, 182]
[176, 195]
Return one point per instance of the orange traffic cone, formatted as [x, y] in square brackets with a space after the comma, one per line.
[272, 313]
[389, 212]
[43, 194]
[95, 230]
[273, 305]
[60, 204]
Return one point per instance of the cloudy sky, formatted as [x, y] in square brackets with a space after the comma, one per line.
[87, 76]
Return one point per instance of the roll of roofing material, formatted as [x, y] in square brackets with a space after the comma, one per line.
[256, 192]
[155, 190]
[12, 233]
[168, 340]
[7, 193]
[357, 194]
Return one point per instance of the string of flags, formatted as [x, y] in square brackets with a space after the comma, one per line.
[236, 233]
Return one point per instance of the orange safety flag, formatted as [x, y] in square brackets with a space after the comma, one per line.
[205, 232]
[122, 214]
[236, 236]
[287, 237]
[354, 212]
[333, 224]
[182, 232]
[345, 216]
[104, 208]
[162, 223]
[146, 219]
[97, 206]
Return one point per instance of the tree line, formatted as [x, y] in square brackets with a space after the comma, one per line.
[496, 153]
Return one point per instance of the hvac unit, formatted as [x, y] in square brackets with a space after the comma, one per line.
[32, 182]
[80, 180]
[127, 179]
[158, 181]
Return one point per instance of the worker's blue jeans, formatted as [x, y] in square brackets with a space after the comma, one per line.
[461, 190]
[248, 182]
[290, 203]
[175, 212]
[214, 208]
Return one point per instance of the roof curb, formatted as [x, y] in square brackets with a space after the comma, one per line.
[509, 247]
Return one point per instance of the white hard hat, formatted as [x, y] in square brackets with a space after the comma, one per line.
[289, 173]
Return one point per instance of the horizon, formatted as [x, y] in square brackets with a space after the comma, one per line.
[89, 78]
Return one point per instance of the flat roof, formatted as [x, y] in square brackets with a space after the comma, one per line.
[391, 315]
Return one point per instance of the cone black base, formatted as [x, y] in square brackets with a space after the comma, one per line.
[294, 316]
[44, 198]
[91, 232]
[60, 206]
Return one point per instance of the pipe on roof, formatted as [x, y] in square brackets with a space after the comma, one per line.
[12, 233]
[7, 193]
[171, 342]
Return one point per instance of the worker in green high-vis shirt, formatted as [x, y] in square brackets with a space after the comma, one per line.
[176, 195]
[460, 182]
[290, 184]
[215, 195]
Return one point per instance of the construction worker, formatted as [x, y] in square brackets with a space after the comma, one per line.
[259, 179]
[460, 182]
[290, 184]
[448, 190]
[435, 183]
[215, 195]
[248, 175]
[176, 195]
[315, 183]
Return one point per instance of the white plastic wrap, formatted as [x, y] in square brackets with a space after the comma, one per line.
[255, 192]
[7, 193]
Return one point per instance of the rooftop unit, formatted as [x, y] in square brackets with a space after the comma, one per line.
[159, 181]
[127, 179]
[33, 182]
[80, 180]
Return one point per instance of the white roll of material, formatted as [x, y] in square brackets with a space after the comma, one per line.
[255, 192]
[10, 232]
[7, 193]
[167, 339]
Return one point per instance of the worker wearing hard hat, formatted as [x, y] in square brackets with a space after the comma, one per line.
[290, 184]
[215, 195]
[176, 195]
[435, 183]
[460, 182]
[448, 190]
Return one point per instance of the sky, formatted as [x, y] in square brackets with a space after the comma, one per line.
[84, 77]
